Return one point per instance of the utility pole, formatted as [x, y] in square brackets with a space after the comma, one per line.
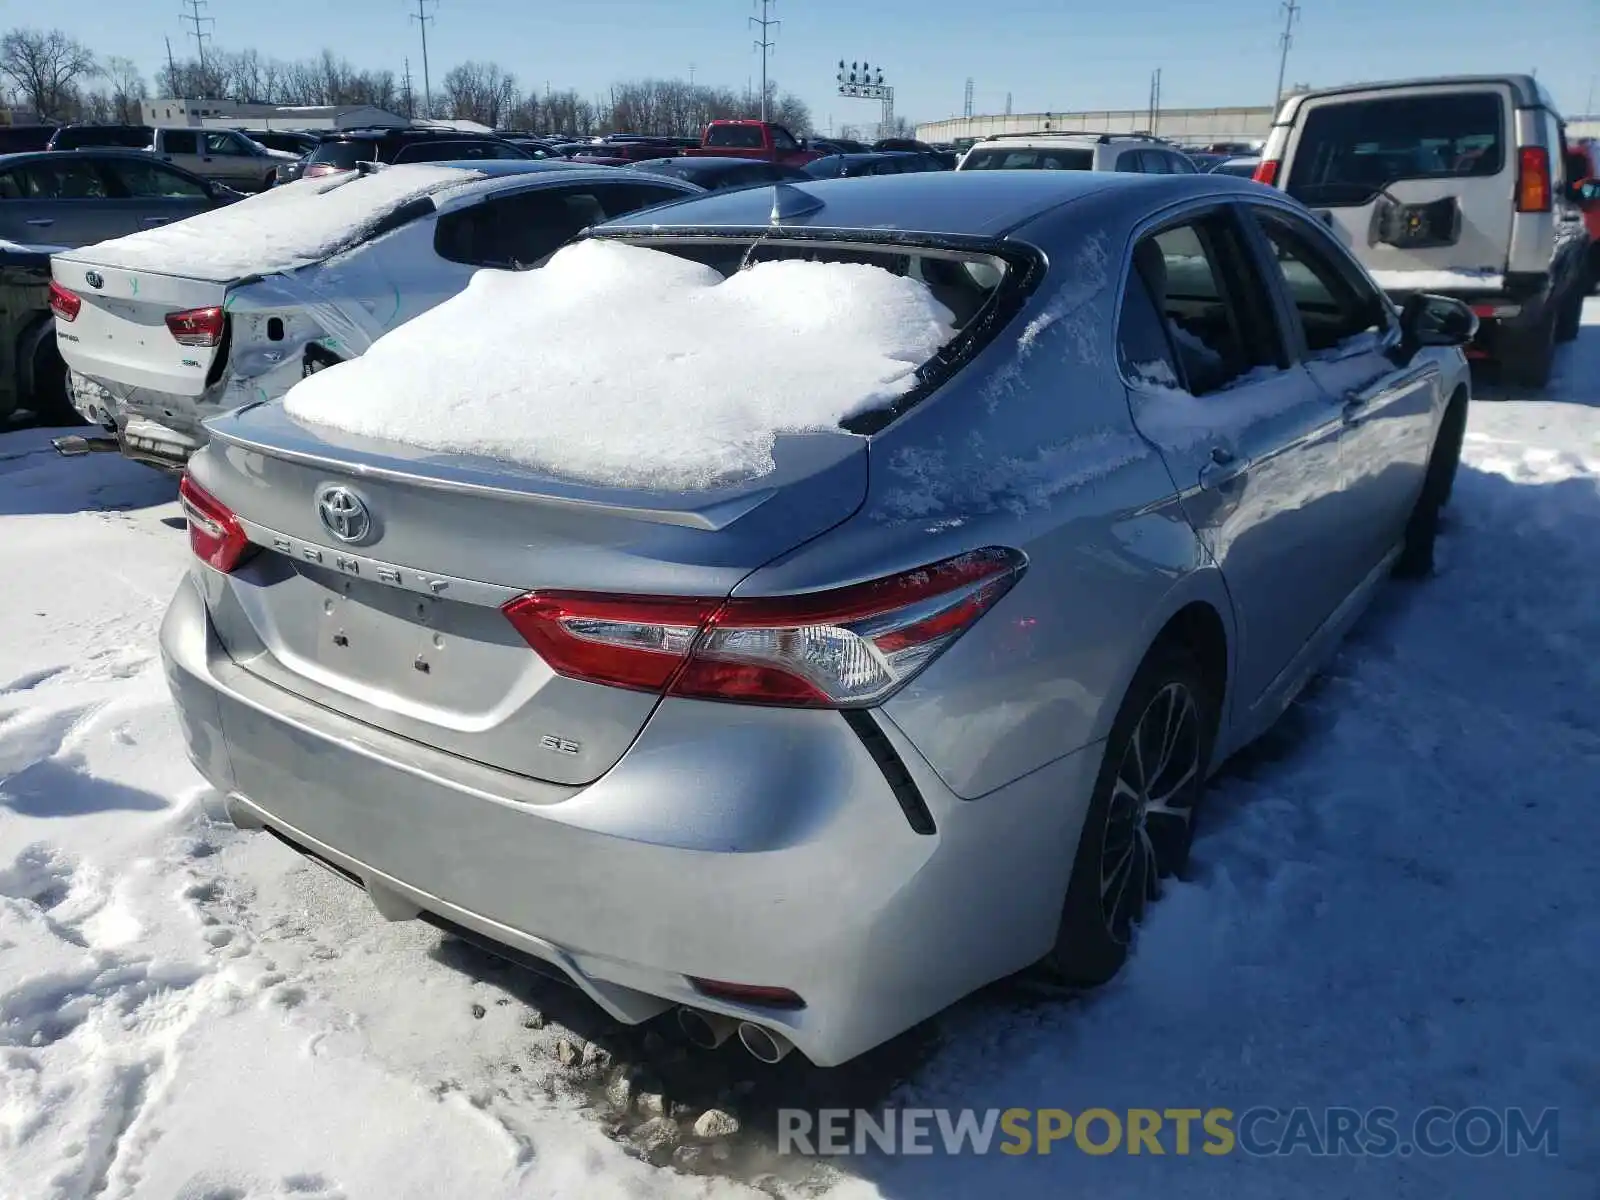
[191, 16]
[1588, 105]
[421, 17]
[1291, 11]
[1155, 98]
[1008, 104]
[405, 85]
[172, 71]
[966, 104]
[691, 74]
[764, 44]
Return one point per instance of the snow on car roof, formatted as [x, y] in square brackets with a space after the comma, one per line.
[282, 228]
[622, 365]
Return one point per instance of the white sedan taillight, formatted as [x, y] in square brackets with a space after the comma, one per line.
[844, 648]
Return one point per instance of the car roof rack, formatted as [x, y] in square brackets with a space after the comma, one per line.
[1103, 138]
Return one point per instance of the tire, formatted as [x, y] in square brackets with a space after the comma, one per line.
[1125, 839]
[1528, 358]
[51, 400]
[1571, 312]
[1422, 528]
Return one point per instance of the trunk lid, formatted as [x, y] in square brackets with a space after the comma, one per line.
[1420, 180]
[402, 629]
[120, 335]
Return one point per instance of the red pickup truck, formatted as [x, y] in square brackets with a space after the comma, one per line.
[752, 139]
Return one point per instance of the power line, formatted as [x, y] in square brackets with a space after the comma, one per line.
[191, 16]
[422, 18]
[764, 44]
[1291, 11]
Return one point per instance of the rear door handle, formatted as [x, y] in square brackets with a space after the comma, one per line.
[40, 222]
[156, 220]
[1222, 470]
[1356, 408]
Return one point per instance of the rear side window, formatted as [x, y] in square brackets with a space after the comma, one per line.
[70, 179]
[450, 151]
[180, 141]
[149, 180]
[1003, 159]
[1348, 151]
[1155, 162]
[344, 155]
[742, 137]
[523, 230]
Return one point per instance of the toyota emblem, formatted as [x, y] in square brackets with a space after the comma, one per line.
[94, 279]
[343, 513]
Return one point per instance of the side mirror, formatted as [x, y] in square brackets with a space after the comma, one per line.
[1436, 321]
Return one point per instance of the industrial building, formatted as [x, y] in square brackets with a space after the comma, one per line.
[1179, 124]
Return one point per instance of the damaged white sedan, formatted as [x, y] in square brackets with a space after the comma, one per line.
[168, 327]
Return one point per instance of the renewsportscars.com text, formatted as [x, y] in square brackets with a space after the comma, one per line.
[1259, 1132]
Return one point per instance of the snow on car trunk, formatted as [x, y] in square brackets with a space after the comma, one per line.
[633, 367]
[279, 230]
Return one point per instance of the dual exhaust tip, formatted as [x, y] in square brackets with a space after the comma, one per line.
[709, 1030]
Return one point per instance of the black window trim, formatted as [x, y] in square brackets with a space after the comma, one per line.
[1191, 212]
[1291, 327]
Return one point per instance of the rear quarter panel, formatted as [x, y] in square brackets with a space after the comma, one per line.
[1031, 447]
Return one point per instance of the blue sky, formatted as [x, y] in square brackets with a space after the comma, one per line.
[1049, 54]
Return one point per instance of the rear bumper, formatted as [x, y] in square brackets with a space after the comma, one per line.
[748, 845]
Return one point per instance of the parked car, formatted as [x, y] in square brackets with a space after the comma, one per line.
[833, 145]
[238, 307]
[90, 136]
[31, 372]
[887, 162]
[19, 139]
[1458, 185]
[1242, 168]
[1589, 148]
[945, 158]
[1132, 152]
[715, 173]
[341, 151]
[752, 139]
[69, 198]
[812, 749]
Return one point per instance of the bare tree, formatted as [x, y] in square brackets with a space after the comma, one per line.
[127, 91]
[46, 69]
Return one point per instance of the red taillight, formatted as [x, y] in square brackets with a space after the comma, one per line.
[197, 326]
[215, 535]
[63, 303]
[748, 993]
[317, 170]
[1267, 172]
[847, 647]
[1533, 179]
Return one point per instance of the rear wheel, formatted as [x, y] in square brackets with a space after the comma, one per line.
[1140, 821]
[1571, 314]
[1529, 355]
[1422, 529]
[51, 399]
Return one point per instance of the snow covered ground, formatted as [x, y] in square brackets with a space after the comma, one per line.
[1393, 903]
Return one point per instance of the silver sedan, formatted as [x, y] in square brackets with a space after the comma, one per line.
[809, 756]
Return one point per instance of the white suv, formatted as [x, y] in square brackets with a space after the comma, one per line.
[1461, 186]
[1046, 151]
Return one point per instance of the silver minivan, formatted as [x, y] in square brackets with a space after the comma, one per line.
[1462, 186]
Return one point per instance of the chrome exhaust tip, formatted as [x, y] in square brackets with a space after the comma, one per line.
[706, 1030]
[765, 1045]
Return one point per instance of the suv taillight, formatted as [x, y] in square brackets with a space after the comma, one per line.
[215, 535]
[1267, 172]
[1533, 179]
[844, 648]
[197, 326]
[63, 303]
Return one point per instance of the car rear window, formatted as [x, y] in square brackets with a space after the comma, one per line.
[345, 154]
[132, 137]
[744, 137]
[1006, 159]
[1350, 150]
